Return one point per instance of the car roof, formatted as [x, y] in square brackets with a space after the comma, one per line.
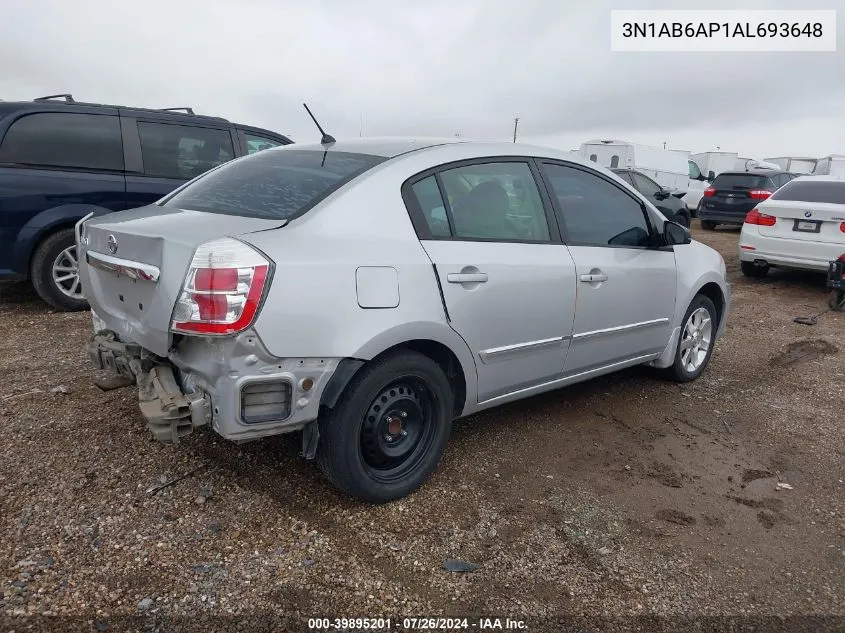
[392, 147]
[754, 172]
[811, 178]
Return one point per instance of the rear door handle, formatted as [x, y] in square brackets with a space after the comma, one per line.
[466, 278]
[594, 277]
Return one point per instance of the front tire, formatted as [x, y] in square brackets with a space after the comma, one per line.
[696, 341]
[55, 272]
[388, 432]
[682, 218]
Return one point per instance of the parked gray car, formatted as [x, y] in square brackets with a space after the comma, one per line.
[370, 292]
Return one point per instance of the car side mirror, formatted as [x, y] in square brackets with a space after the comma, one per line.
[661, 194]
[674, 233]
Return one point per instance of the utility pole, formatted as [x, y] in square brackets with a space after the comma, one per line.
[515, 125]
[361, 129]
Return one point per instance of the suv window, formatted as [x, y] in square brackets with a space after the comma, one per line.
[496, 201]
[255, 143]
[644, 184]
[65, 139]
[832, 192]
[739, 181]
[182, 151]
[278, 185]
[596, 212]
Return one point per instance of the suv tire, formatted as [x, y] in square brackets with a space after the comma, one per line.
[54, 251]
[389, 429]
[708, 225]
[688, 367]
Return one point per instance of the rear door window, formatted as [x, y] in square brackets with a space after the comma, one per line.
[255, 143]
[813, 192]
[277, 185]
[182, 151]
[65, 139]
[739, 181]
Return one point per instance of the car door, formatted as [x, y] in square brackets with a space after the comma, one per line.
[507, 281]
[166, 155]
[626, 285]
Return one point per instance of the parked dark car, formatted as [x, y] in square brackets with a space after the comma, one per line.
[734, 193]
[669, 205]
[61, 159]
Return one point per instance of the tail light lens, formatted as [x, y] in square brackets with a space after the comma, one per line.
[760, 219]
[709, 192]
[222, 290]
[842, 227]
[759, 194]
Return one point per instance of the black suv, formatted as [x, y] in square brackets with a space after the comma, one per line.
[734, 193]
[61, 159]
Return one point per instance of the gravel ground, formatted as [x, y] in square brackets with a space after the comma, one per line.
[624, 502]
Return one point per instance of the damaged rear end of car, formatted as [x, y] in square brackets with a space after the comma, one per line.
[175, 289]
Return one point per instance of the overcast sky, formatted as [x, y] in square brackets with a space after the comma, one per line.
[428, 67]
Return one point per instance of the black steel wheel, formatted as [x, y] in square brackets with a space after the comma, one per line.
[389, 429]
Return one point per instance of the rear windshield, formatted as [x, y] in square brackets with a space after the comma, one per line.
[277, 184]
[809, 191]
[739, 181]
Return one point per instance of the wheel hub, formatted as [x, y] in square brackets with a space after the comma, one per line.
[393, 427]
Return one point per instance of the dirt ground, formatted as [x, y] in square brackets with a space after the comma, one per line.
[625, 501]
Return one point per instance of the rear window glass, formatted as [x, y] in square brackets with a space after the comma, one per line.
[277, 184]
[739, 181]
[808, 191]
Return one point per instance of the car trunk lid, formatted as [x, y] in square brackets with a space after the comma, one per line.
[135, 262]
[811, 221]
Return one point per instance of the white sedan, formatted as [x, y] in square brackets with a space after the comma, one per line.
[801, 226]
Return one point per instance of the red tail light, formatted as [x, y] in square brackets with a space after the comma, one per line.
[842, 227]
[222, 290]
[760, 219]
[759, 194]
[709, 192]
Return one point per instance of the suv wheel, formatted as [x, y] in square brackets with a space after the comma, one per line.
[389, 430]
[55, 272]
[695, 344]
[708, 225]
[682, 218]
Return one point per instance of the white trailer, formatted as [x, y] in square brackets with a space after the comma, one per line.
[670, 168]
[795, 164]
[833, 165]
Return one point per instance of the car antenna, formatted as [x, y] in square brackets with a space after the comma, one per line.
[327, 139]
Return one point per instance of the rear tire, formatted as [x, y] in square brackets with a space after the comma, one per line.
[750, 269]
[388, 432]
[708, 225]
[698, 331]
[836, 300]
[55, 272]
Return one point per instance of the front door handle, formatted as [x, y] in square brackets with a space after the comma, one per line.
[466, 278]
[593, 278]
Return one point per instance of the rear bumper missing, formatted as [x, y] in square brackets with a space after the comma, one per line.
[170, 413]
[232, 383]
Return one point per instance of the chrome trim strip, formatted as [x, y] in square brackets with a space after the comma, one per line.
[119, 266]
[499, 353]
[620, 328]
[77, 228]
[565, 380]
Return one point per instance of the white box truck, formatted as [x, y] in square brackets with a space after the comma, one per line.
[670, 168]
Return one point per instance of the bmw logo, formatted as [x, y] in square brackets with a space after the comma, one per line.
[808, 214]
[112, 244]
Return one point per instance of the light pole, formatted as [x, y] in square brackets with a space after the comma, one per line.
[515, 125]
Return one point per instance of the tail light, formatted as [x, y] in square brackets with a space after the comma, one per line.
[709, 192]
[222, 290]
[842, 227]
[760, 219]
[759, 194]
